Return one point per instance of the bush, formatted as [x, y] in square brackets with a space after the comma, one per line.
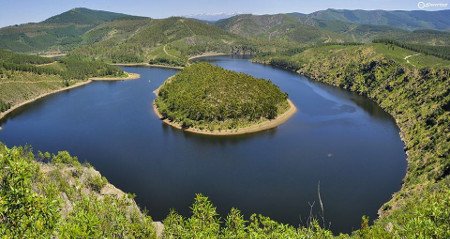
[97, 182]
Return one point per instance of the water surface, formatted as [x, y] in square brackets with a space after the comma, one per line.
[340, 139]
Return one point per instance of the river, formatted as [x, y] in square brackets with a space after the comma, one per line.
[338, 139]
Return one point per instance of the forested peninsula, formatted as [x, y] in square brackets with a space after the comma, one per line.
[207, 99]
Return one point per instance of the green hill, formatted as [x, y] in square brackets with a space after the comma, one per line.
[278, 27]
[342, 26]
[84, 16]
[24, 77]
[168, 41]
[204, 96]
[57, 34]
[293, 29]
[408, 20]
[121, 38]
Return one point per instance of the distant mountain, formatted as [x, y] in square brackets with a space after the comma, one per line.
[119, 37]
[59, 33]
[277, 27]
[211, 17]
[342, 25]
[85, 16]
[408, 20]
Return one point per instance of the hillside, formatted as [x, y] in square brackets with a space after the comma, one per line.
[278, 27]
[414, 90]
[55, 196]
[57, 34]
[120, 38]
[24, 77]
[207, 97]
[407, 20]
[84, 16]
[168, 41]
[325, 27]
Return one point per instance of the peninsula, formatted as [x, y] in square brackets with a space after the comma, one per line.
[207, 99]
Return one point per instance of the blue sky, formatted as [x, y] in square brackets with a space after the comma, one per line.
[22, 11]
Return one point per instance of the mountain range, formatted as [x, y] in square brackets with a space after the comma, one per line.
[119, 37]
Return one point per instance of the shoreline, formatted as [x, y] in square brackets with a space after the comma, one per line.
[130, 76]
[148, 65]
[381, 213]
[262, 126]
[207, 54]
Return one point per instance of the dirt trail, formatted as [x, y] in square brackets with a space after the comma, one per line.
[408, 56]
[167, 53]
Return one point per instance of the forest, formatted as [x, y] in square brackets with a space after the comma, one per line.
[23, 77]
[438, 51]
[203, 95]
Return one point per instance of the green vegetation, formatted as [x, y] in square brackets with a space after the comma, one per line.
[53, 198]
[438, 51]
[209, 97]
[56, 34]
[168, 41]
[409, 20]
[418, 98]
[427, 217]
[407, 74]
[205, 223]
[23, 77]
[120, 38]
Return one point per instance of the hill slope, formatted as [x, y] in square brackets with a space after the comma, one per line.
[160, 41]
[408, 20]
[59, 33]
[25, 77]
[342, 26]
[85, 16]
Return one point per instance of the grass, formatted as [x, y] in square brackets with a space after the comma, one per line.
[398, 54]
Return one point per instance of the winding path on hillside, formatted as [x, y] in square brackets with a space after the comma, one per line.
[408, 56]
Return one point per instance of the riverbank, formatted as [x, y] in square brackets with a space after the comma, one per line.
[148, 65]
[130, 76]
[420, 114]
[207, 54]
[261, 126]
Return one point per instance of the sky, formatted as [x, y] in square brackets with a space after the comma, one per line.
[23, 11]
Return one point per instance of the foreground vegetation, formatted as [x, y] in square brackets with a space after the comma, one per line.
[47, 196]
[24, 77]
[208, 97]
[52, 196]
